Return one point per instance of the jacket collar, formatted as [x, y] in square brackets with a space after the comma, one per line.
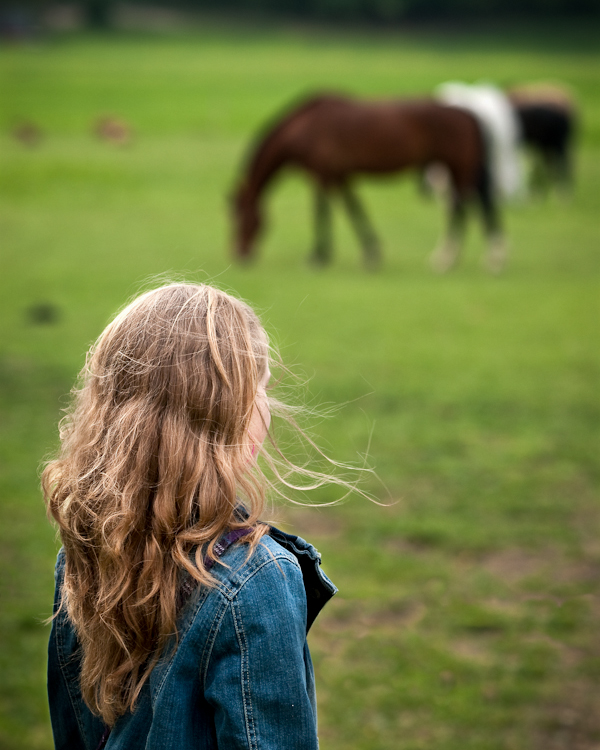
[319, 589]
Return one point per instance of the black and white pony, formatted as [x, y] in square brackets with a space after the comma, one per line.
[547, 117]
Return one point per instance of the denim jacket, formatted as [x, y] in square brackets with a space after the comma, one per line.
[241, 676]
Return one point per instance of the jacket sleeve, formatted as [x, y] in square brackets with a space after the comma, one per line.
[73, 725]
[259, 676]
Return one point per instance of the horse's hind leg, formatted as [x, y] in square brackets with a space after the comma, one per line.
[362, 226]
[497, 253]
[444, 257]
[322, 250]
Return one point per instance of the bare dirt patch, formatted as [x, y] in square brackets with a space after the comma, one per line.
[514, 565]
[573, 722]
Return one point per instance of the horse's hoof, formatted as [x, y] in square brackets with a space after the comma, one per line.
[445, 256]
[441, 262]
[372, 262]
[495, 261]
[244, 261]
[318, 261]
[495, 266]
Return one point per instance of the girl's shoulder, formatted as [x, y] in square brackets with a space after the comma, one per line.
[274, 547]
[281, 564]
[250, 585]
[240, 566]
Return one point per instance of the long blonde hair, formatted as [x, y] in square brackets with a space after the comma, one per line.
[155, 452]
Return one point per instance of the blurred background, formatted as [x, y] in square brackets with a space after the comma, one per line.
[468, 609]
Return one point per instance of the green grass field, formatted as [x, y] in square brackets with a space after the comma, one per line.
[468, 610]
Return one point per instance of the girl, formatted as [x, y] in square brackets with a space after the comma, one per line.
[180, 618]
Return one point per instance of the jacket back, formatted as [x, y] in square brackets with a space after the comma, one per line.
[240, 675]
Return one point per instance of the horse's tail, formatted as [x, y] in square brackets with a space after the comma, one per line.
[498, 123]
[485, 184]
[485, 188]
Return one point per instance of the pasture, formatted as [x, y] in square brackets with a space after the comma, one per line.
[468, 611]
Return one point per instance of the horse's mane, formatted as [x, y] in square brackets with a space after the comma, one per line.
[281, 120]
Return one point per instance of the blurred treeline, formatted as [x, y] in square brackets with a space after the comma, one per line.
[397, 10]
[101, 13]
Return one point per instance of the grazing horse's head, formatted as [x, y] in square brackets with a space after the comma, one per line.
[247, 221]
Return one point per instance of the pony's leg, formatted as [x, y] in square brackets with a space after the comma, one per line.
[322, 251]
[563, 172]
[540, 172]
[446, 254]
[497, 251]
[362, 226]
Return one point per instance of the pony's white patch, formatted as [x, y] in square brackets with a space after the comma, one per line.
[499, 122]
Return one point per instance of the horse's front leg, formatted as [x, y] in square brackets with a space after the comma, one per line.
[362, 226]
[446, 254]
[322, 250]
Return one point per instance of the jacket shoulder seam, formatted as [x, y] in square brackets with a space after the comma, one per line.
[210, 640]
[231, 592]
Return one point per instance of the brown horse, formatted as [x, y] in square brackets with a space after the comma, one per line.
[334, 138]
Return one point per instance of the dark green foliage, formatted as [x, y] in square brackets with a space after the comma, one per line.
[99, 14]
[384, 11]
